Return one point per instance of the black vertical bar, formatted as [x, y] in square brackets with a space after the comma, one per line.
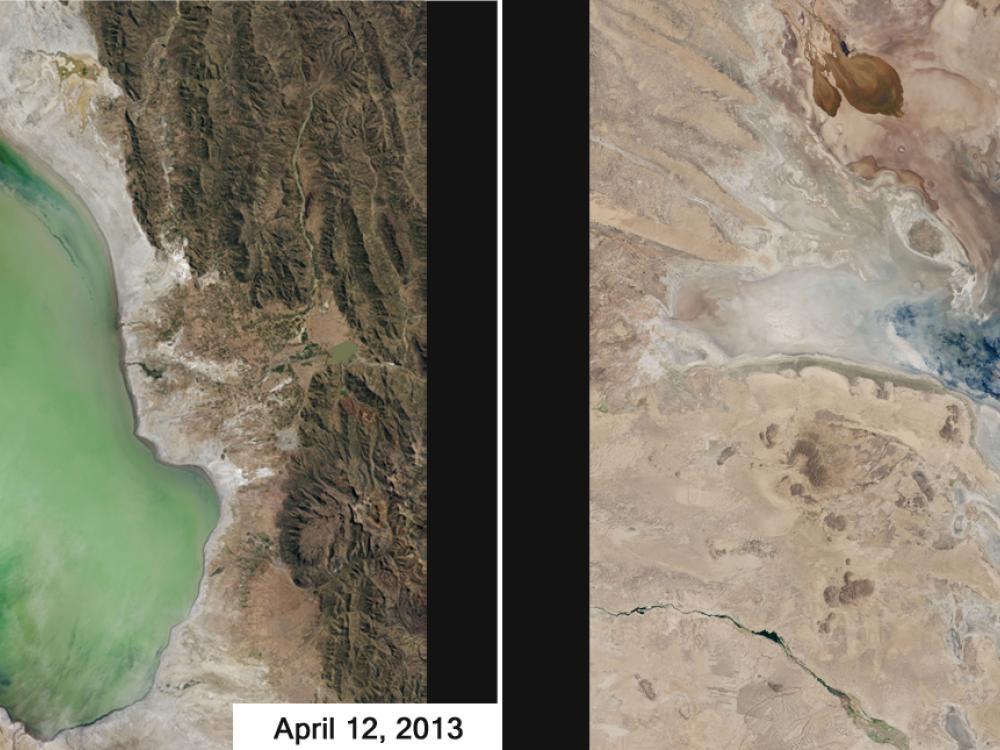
[546, 368]
[461, 340]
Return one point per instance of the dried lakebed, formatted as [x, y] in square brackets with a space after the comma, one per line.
[102, 545]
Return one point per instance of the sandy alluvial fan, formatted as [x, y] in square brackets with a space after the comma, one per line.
[795, 436]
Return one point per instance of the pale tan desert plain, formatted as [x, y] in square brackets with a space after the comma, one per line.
[795, 497]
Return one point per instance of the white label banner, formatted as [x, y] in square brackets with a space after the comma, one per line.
[314, 726]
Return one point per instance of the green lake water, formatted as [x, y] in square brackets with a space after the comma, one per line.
[100, 544]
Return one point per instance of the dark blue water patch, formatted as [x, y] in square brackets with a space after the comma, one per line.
[963, 352]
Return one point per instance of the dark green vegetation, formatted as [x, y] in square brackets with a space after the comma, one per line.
[294, 136]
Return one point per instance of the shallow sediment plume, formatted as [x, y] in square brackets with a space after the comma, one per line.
[107, 551]
[794, 381]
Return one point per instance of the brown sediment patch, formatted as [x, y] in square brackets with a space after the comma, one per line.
[923, 484]
[727, 452]
[949, 430]
[868, 168]
[869, 83]
[825, 94]
[835, 521]
[925, 238]
[813, 467]
[850, 592]
[646, 687]
[914, 503]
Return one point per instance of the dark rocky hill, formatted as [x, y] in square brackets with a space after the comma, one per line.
[282, 146]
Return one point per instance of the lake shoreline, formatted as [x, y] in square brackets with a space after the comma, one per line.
[50, 176]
